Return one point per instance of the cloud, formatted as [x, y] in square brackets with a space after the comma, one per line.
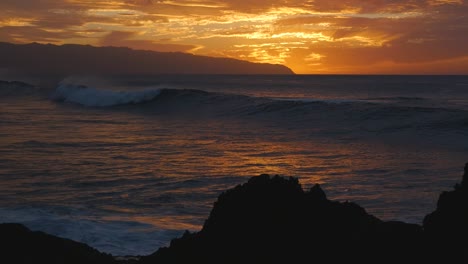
[128, 39]
[27, 34]
[308, 36]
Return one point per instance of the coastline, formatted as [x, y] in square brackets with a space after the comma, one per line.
[273, 220]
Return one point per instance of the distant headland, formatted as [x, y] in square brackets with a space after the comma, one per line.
[72, 59]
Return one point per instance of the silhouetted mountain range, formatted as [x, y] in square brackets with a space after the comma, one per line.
[71, 59]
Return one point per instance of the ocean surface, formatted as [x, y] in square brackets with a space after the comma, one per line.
[126, 163]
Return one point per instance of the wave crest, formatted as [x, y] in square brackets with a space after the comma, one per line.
[17, 89]
[89, 96]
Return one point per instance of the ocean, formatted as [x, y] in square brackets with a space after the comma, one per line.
[126, 163]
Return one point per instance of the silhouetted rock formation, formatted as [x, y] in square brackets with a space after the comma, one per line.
[447, 226]
[272, 220]
[20, 245]
[84, 59]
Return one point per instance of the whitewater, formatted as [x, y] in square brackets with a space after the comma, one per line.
[126, 163]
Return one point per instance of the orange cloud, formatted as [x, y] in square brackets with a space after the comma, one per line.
[128, 39]
[319, 36]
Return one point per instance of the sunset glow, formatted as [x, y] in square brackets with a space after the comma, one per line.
[321, 36]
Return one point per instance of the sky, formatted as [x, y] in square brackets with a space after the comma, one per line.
[310, 37]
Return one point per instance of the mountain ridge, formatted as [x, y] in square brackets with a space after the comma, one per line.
[68, 59]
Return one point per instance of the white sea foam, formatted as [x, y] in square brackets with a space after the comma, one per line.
[89, 96]
[117, 237]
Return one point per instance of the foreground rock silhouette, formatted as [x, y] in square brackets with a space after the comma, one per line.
[447, 227]
[20, 245]
[273, 220]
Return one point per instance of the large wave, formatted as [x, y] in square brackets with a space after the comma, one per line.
[89, 96]
[374, 115]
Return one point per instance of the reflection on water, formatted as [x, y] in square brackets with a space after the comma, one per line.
[142, 165]
[155, 169]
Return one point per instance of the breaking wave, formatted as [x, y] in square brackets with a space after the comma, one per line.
[388, 114]
[89, 96]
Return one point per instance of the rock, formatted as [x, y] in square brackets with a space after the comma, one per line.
[272, 220]
[451, 216]
[316, 194]
[447, 226]
[464, 182]
[19, 245]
